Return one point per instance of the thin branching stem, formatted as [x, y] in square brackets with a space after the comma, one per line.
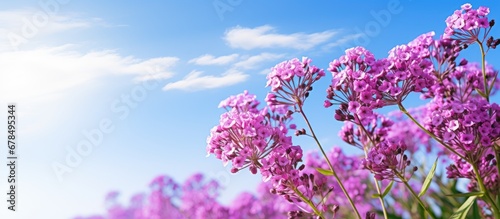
[341, 185]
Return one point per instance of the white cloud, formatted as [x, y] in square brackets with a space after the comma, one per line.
[155, 68]
[265, 37]
[155, 76]
[251, 38]
[44, 72]
[255, 61]
[211, 60]
[195, 81]
[343, 41]
[18, 27]
[265, 71]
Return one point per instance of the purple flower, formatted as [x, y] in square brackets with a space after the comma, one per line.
[246, 133]
[349, 170]
[355, 80]
[387, 160]
[291, 81]
[465, 25]
[467, 138]
[466, 6]
[448, 136]
[453, 125]
[487, 171]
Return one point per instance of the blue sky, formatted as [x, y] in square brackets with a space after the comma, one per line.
[148, 76]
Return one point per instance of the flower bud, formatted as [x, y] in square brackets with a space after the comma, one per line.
[463, 62]
[489, 41]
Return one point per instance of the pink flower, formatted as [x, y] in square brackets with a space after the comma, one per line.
[291, 82]
[453, 125]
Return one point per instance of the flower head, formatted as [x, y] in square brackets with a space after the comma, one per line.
[466, 24]
[469, 128]
[387, 160]
[354, 83]
[291, 81]
[246, 133]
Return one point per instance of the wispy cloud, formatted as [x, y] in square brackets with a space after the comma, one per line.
[18, 27]
[155, 68]
[253, 62]
[343, 42]
[43, 72]
[266, 37]
[196, 81]
[234, 73]
[236, 64]
[15, 20]
[208, 59]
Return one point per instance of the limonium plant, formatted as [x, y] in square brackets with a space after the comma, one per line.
[458, 125]
[459, 119]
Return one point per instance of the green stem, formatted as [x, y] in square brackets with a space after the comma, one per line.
[341, 185]
[487, 196]
[497, 154]
[403, 109]
[367, 135]
[487, 90]
[380, 198]
[480, 181]
[483, 70]
[309, 202]
[365, 149]
[415, 195]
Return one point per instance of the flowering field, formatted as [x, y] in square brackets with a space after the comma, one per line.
[457, 126]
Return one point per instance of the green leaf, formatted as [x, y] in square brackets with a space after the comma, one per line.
[461, 213]
[389, 215]
[325, 172]
[387, 189]
[421, 211]
[475, 211]
[479, 194]
[428, 179]
[480, 93]
[491, 85]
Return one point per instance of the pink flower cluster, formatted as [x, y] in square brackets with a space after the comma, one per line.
[412, 136]
[362, 83]
[459, 122]
[387, 160]
[469, 128]
[487, 170]
[385, 156]
[458, 81]
[291, 81]
[354, 85]
[372, 133]
[353, 175]
[257, 139]
[465, 24]
[409, 69]
[247, 134]
[196, 198]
